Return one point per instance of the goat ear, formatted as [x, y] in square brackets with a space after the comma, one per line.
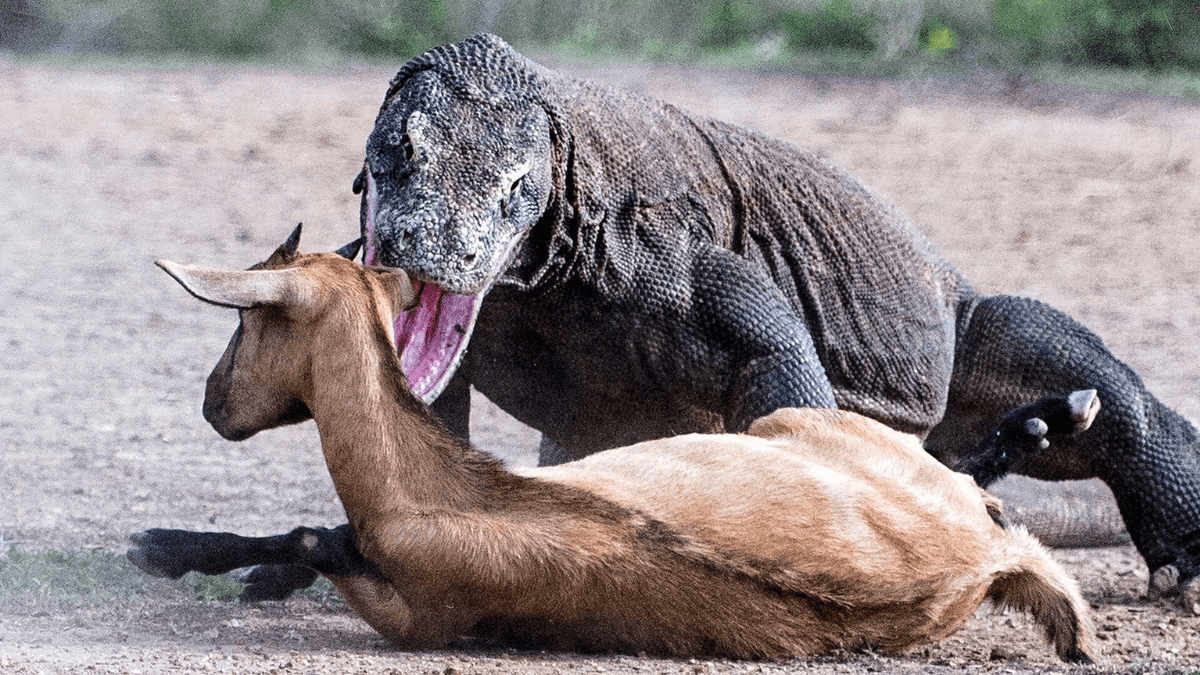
[286, 252]
[242, 290]
[399, 288]
[350, 250]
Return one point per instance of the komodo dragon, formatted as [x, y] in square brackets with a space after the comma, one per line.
[626, 270]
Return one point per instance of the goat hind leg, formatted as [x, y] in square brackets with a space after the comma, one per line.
[1029, 429]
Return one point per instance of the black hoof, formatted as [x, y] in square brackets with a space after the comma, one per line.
[275, 582]
[158, 553]
[1052, 416]
[1084, 406]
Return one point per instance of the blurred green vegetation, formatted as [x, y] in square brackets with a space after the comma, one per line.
[64, 579]
[55, 580]
[835, 25]
[873, 35]
[1152, 34]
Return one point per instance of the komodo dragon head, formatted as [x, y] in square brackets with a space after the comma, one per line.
[457, 172]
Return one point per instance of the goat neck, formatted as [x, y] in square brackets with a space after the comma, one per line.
[385, 450]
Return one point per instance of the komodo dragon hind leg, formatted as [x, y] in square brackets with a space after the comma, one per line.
[1011, 351]
[1029, 429]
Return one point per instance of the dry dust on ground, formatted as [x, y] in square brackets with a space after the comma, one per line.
[1088, 202]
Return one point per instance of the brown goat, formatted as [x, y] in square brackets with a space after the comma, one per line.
[817, 529]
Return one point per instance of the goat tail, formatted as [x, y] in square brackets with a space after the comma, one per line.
[1032, 581]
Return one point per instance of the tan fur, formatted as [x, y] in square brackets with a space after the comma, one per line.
[815, 530]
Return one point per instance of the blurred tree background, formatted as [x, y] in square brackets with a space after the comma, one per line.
[1145, 34]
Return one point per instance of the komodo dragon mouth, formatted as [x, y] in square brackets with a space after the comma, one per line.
[432, 337]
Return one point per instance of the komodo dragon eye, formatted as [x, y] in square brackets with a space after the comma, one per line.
[404, 145]
[512, 192]
[405, 168]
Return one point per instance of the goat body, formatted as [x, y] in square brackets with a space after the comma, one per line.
[817, 529]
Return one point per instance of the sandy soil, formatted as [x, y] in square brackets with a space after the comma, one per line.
[1089, 202]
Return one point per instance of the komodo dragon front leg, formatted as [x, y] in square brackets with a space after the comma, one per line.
[773, 358]
[707, 327]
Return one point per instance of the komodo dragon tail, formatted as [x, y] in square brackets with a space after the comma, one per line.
[1064, 514]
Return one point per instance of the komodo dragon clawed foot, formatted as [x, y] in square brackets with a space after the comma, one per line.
[1165, 583]
[1030, 429]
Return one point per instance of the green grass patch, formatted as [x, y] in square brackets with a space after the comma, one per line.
[211, 588]
[52, 581]
[67, 579]
[225, 588]
[323, 592]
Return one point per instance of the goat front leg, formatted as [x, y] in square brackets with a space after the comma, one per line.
[330, 552]
[275, 582]
[285, 562]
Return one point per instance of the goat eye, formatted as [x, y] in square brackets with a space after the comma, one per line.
[516, 185]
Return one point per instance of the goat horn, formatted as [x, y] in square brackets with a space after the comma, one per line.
[293, 241]
[350, 250]
[286, 252]
[242, 290]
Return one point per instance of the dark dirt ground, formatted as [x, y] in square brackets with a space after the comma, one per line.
[1086, 201]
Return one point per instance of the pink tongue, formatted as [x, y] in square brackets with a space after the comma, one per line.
[431, 337]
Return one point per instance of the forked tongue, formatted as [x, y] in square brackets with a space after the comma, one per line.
[432, 337]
